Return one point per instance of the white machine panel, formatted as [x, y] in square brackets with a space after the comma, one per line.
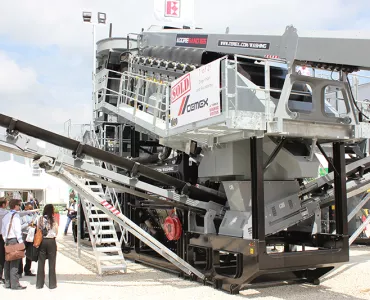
[195, 96]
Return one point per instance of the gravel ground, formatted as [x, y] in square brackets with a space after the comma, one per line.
[77, 279]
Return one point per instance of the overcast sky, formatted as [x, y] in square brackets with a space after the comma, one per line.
[46, 50]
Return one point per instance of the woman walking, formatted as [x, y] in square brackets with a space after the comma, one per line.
[48, 247]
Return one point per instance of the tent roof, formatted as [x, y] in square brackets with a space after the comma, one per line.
[17, 176]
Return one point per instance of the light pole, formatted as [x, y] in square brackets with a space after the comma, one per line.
[102, 17]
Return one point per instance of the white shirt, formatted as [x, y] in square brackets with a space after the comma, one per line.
[73, 207]
[305, 72]
[15, 231]
[52, 231]
[25, 220]
[3, 212]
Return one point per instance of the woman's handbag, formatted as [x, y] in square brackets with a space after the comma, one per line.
[15, 251]
[32, 253]
[38, 236]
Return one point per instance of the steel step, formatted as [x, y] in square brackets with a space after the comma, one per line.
[100, 241]
[103, 216]
[111, 257]
[96, 224]
[108, 249]
[114, 267]
[103, 232]
[94, 209]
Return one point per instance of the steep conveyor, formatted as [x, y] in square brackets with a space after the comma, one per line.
[127, 164]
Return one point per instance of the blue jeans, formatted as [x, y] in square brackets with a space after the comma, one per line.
[69, 219]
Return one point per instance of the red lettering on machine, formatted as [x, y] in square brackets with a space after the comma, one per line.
[181, 88]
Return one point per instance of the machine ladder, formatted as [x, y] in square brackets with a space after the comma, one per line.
[104, 240]
[102, 231]
[130, 226]
[109, 193]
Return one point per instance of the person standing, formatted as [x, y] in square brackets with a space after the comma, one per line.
[72, 213]
[3, 212]
[36, 204]
[27, 222]
[48, 247]
[12, 234]
[303, 70]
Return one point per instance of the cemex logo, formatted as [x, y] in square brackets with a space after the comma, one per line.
[172, 8]
[185, 107]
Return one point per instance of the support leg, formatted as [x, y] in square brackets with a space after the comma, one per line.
[258, 203]
[340, 189]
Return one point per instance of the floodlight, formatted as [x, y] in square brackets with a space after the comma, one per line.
[86, 16]
[101, 18]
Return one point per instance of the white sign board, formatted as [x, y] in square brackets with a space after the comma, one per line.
[195, 96]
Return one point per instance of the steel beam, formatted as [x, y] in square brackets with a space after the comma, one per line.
[340, 189]
[258, 203]
[358, 207]
[274, 154]
[122, 182]
[359, 230]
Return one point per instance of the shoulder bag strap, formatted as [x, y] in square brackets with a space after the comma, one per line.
[10, 225]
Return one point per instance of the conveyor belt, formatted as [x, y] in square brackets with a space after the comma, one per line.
[80, 149]
[329, 178]
[353, 188]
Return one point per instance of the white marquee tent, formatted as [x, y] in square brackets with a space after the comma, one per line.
[20, 176]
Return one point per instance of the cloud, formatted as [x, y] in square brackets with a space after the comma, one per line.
[271, 16]
[13, 78]
[49, 106]
[45, 74]
[45, 22]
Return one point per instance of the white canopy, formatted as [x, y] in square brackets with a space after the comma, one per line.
[17, 176]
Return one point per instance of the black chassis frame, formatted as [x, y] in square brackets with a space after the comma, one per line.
[251, 264]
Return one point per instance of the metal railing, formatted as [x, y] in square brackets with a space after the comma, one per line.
[110, 192]
[91, 138]
[141, 93]
[233, 64]
[137, 91]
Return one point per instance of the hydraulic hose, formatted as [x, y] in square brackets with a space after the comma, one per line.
[14, 125]
[154, 158]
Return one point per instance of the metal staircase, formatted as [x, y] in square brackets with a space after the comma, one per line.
[102, 229]
[104, 240]
[103, 208]
[110, 193]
